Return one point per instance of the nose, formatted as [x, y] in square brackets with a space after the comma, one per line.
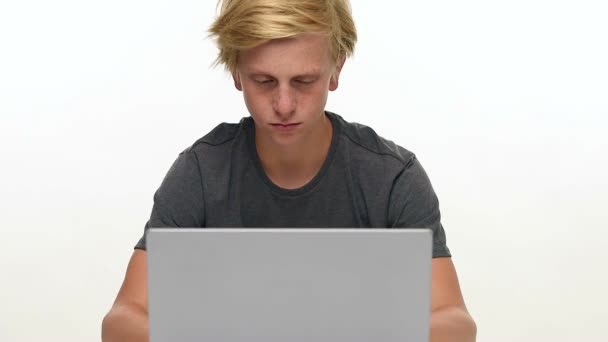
[284, 102]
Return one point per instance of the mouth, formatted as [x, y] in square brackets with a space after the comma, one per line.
[285, 126]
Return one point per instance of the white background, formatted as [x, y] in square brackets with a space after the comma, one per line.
[504, 102]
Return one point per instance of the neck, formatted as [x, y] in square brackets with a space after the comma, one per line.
[293, 166]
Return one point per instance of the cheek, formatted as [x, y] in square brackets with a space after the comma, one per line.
[253, 100]
[317, 97]
[249, 104]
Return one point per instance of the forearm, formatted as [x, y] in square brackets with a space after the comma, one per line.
[125, 323]
[452, 324]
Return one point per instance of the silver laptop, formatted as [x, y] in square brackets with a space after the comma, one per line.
[289, 285]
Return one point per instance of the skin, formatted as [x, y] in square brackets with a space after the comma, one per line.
[286, 82]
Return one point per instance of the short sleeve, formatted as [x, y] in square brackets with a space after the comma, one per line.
[179, 200]
[414, 204]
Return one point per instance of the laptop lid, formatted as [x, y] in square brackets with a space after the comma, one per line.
[234, 285]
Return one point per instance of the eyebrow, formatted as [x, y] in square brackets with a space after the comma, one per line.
[258, 73]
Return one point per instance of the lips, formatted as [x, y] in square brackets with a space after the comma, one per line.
[285, 126]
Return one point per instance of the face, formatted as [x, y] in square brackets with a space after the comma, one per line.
[285, 84]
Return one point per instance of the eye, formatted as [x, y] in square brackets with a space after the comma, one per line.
[305, 81]
[264, 80]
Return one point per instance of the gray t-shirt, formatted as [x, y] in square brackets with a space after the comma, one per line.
[365, 182]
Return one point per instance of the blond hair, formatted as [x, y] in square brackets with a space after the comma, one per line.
[244, 24]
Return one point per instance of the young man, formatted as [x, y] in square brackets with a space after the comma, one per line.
[292, 164]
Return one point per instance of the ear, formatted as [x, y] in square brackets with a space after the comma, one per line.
[237, 81]
[335, 78]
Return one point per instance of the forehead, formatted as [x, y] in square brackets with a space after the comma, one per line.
[305, 53]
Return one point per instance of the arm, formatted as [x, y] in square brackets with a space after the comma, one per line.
[128, 317]
[413, 203]
[450, 320]
[179, 202]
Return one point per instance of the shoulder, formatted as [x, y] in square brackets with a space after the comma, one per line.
[220, 135]
[219, 139]
[367, 143]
